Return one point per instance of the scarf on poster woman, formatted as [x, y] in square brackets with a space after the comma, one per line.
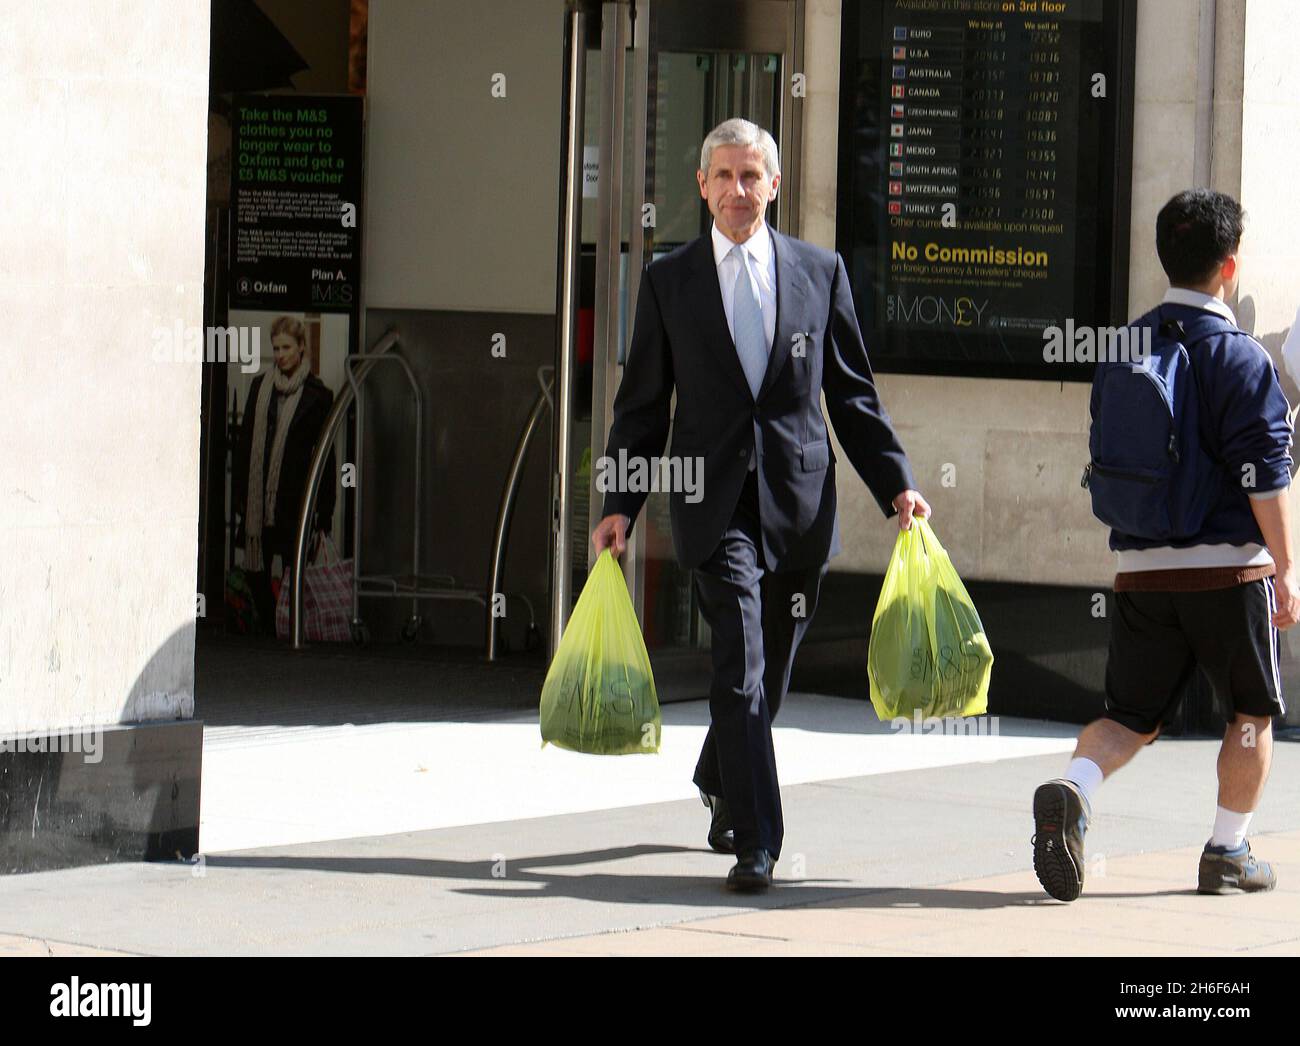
[260, 510]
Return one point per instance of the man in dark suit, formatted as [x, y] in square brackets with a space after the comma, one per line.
[749, 327]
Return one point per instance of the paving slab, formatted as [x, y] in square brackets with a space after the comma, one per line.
[926, 861]
[1146, 912]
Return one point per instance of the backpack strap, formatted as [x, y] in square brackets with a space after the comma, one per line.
[1188, 334]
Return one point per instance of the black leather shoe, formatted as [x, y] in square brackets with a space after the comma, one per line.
[753, 871]
[721, 836]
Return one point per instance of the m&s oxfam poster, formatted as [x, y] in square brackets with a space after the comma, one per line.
[296, 184]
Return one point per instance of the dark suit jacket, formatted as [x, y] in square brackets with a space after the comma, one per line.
[304, 430]
[680, 341]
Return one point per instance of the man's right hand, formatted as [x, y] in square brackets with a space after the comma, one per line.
[611, 533]
[1287, 594]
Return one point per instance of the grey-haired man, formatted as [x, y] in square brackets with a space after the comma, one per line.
[750, 327]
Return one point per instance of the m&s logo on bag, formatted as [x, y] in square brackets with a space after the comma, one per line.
[599, 694]
[925, 668]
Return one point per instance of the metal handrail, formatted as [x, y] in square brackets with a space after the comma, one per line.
[370, 358]
[507, 507]
[320, 454]
[337, 416]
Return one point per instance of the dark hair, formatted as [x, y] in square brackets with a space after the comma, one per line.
[1195, 233]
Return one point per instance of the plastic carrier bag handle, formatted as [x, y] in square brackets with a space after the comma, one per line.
[923, 528]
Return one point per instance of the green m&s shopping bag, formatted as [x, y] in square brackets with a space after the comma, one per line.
[928, 653]
[599, 695]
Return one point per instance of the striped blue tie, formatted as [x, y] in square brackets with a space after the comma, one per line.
[747, 321]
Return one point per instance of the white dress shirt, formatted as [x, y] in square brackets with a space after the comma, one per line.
[762, 263]
[1198, 300]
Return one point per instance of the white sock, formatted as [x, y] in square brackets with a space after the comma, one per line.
[1086, 775]
[1229, 828]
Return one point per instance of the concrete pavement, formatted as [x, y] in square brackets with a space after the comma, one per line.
[278, 785]
[1140, 905]
[928, 860]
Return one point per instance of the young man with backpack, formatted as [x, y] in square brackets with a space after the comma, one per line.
[1190, 467]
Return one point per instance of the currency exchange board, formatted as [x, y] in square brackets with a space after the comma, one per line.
[984, 166]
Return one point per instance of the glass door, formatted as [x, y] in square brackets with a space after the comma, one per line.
[658, 76]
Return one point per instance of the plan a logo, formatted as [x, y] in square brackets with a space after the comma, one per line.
[330, 287]
[934, 311]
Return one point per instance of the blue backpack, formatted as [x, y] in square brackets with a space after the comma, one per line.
[1151, 476]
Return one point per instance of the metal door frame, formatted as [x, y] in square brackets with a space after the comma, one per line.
[644, 27]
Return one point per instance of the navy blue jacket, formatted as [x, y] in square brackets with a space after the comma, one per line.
[1243, 422]
[681, 342]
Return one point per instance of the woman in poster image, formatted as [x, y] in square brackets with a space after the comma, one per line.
[283, 417]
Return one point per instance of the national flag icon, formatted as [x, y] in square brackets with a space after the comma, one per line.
[900, 72]
[900, 32]
[900, 53]
[895, 188]
[897, 91]
[895, 207]
[896, 130]
[895, 148]
[896, 111]
[896, 169]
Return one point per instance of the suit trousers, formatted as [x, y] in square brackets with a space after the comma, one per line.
[758, 618]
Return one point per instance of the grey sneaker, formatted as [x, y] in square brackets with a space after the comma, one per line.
[1061, 817]
[1223, 871]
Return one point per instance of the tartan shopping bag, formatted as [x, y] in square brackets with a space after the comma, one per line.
[326, 598]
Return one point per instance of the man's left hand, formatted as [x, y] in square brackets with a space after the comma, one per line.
[909, 504]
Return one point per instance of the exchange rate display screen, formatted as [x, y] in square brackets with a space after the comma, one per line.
[985, 155]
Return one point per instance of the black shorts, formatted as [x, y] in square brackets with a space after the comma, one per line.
[1158, 638]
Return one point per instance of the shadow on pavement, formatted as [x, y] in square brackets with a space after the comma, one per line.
[525, 877]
